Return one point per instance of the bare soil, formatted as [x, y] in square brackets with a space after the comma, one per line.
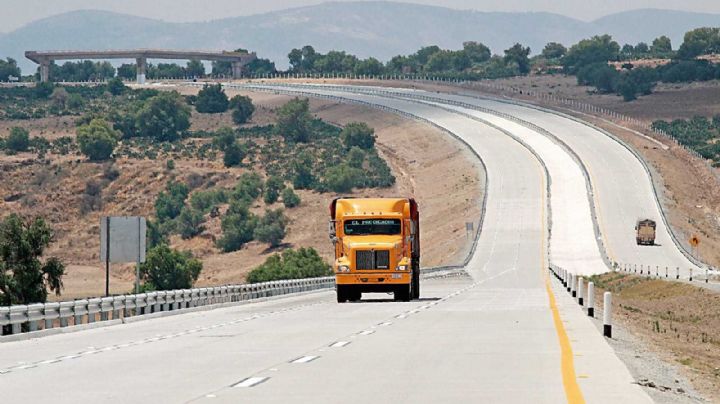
[445, 178]
[678, 321]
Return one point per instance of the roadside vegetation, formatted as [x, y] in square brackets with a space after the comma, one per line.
[699, 134]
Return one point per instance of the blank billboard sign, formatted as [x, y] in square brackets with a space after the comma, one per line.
[126, 238]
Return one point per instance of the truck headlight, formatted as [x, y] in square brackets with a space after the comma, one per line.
[401, 268]
[343, 268]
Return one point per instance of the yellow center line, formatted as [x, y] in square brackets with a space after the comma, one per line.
[567, 363]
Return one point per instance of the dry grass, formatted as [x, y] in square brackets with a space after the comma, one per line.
[681, 322]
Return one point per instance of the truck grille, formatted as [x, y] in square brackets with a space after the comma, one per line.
[372, 259]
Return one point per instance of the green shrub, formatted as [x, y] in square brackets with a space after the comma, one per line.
[115, 86]
[234, 155]
[189, 223]
[248, 188]
[211, 99]
[242, 107]
[292, 264]
[271, 228]
[290, 198]
[223, 138]
[273, 187]
[164, 117]
[168, 269]
[170, 202]
[170, 164]
[18, 141]
[342, 178]
[358, 134]
[204, 201]
[293, 121]
[302, 171]
[238, 226]
[97, 140]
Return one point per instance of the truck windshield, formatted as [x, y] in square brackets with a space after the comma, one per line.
[359, 227]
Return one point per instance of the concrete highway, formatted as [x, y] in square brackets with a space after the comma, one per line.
[502, 333]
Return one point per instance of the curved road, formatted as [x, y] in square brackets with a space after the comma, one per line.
[504, 334]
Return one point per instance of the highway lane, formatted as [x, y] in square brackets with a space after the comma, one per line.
[490, 337]
[623, 190]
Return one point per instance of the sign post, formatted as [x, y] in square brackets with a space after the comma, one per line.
[122, 239]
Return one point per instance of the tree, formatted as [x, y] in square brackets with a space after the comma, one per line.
[661, 46]
[248, 188]
[234, 155]
[24, 278]
[97, 139]
[369, 67]
[476, 51]
[642, 49]
[554, 50]
[271, 228]
[18, 141]
[598, 49]
[127, 71]
[700, 41]
[519, 55]
[290, 198]
[355, 157]
[211, 99]
[273, 186]
[195, 68]
[9, 68]
[601, 75]
[189, 223]
[164, 117]
[293, 121]
[238, 226]
[155, 234]
[115, 86]
[242, 107]
[302, 171]
[169, 203]
[358, 134]
[169, 269]
[342, 178]
[292, 264]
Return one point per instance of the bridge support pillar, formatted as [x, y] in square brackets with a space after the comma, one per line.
[44, 71]
[141, 70]
[237, 70]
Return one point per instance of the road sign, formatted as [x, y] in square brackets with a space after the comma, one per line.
[694, 241]
[122, 239]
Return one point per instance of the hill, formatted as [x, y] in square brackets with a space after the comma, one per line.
[380, 29]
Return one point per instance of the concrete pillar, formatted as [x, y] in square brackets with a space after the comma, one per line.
[44, 71]
[237, 70]
[141, 70]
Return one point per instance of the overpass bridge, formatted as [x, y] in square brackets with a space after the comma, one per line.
[44, 58]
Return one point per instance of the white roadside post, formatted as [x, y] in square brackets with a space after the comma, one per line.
[591, 299]
[580, 291]
[573, 286]
[607, 314]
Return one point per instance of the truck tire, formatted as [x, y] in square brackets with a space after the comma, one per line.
[403, 293]
[415, 284]
[354, 295]
[342, 295]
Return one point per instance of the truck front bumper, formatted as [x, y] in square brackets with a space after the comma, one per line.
[373, 278]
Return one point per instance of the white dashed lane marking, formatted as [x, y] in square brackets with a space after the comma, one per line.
[339, 344]
[305, 359]
[250, 382]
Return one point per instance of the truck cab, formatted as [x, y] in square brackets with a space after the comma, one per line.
[377, 247]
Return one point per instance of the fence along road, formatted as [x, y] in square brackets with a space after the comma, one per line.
[494, 337]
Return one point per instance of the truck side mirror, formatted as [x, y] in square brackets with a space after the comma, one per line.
[331, 231]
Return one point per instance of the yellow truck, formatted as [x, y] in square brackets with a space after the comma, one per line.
[377, 247]
[645, 232]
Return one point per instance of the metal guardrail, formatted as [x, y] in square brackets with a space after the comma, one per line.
[63, 314]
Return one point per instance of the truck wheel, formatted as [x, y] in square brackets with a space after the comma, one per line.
[342, 296]
[415, 284]
[403, 293]
[355, 295]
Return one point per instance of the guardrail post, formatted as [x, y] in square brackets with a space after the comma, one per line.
[141, 306]
[666, 272]
[18, 316]
[580, 291]
[106, 306]
[607, 314]
[79, 311]
[4, 318]
[65, 311]
[50, 313]
[591, 299]
[677, 272]
[35, 314]
[691, 274]
[93, 309]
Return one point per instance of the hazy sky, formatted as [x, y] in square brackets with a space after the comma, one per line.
[16, 13]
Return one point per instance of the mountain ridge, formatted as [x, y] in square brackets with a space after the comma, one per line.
[380, 29]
